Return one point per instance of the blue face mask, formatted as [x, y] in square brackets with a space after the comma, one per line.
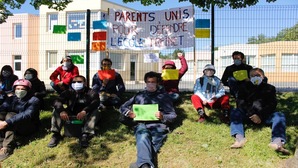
[237, 62]
[77, 86]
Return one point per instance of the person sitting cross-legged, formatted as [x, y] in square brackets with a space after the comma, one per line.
[79, 101]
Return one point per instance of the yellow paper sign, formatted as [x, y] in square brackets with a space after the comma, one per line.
[240, 75]
[170, 74]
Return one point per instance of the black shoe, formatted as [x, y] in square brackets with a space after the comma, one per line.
[226, 116]
[56, 138]
[5, 153]
[146, 165]
[84, 142]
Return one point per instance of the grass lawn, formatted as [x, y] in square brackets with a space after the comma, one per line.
[189, 145]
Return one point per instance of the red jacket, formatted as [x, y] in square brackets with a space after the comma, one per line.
[66, 76]
[172, 85]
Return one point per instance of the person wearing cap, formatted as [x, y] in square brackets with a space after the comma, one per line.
[109, 89]
[61, 78]
[19, 115]
[236, 74]
[38, 86]
[79, 102]
[256, 104]
[171, 86]
[210, 93]
[7, 79]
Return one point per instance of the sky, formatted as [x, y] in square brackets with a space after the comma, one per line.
[27, 8]
[225, 35]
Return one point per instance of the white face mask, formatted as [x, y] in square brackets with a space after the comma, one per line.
[77, 86]
[20, 93]
[28, 76]
[151, 87]
[256, 80]
[237, 62]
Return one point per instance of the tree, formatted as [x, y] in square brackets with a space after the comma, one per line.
[205, 4]
[60, 5]
[5, 5]
[287, 34]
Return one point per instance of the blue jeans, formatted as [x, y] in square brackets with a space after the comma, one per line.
[57, 88]
[277, 121]
[149, 139]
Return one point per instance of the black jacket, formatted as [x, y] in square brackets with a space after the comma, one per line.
[74, 102]
[260, 100]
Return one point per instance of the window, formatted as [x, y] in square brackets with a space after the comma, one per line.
[52, 61]
[17, 62]
[289, 62]
[268, 62]
[226, 61]
[77, 20]
[52, 20]
[117, 60]
[17, 30]
[250, 60]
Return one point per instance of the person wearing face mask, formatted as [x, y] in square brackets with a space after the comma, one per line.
[62, 76]
[210, 93]
[38, 86]
[109, 89]
[7, 78]
[150, 135]
[19, 115]
[78, 103]
[256, 104]
[236, 74]
[171, 86]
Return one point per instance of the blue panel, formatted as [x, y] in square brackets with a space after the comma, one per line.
[100, 24]
[202, 23]
[74, 36]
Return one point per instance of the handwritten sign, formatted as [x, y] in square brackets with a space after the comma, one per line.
[154, 30]
[145, 112]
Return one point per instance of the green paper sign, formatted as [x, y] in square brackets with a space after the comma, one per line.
[145, 112]
[77, 59]
[59, 29]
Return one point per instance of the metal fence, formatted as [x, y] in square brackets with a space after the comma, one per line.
[235, 29]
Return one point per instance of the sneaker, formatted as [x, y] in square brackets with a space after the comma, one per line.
[56, 138]
[146, 165]
[5, 153]
[84, 141]
[238, 143]
[279, 148]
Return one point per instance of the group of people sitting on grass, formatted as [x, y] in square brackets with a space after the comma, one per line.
[23, 98]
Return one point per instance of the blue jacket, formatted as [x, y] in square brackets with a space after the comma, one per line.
[26, 108]
[206, 90]
[158, 97]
